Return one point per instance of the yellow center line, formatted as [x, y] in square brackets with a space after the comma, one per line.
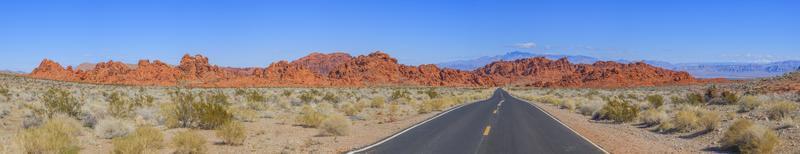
[486, 131]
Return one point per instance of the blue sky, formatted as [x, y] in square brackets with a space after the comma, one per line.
[256, 33]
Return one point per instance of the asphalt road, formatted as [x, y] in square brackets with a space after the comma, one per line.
[501, 124]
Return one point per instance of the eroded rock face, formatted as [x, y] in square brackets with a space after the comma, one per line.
[375, 69]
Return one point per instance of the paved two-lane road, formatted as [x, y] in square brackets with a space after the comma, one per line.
[501, 124]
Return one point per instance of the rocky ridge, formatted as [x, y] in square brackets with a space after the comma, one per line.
[374, 69]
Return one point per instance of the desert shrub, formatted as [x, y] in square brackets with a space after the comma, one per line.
[377, 102]
[655, 101]
[686, 120]
[729, 97]
[5, 93]
[109, 128]
[310, 117]
[590, 108]
[694, 99]
[255, 100]
[232, 133]
[118, 106]
[330, 97]
[243, 114]
[58, 135]
[307, 97]
[653, 116]
[569, 105]
[432, 94]
[749, 103]
[400, 94]
[424, 107]
[336, 124]
[189, 142]
[549, 99]
[143, 140]
[61, 101]
[709, 120]
[350, 109]
[189, 110]
[666, 126]
[619, 111]
[745, 137]
[781, 109]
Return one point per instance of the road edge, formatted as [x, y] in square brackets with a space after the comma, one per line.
[409, 128]
[565, 125]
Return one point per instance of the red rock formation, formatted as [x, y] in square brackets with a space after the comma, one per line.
[322, 63]
[375, 69]
[542, 72]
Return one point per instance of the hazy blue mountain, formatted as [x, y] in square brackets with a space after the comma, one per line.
[472, 64]
[730, 70]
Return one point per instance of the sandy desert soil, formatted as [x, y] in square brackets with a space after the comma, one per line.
[274, 128]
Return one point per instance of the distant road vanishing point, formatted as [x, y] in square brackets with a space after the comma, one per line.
[501, 124]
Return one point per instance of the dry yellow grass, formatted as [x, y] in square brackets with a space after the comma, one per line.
[189, 142]
[143, 140]
[58, 135]
[232, 133]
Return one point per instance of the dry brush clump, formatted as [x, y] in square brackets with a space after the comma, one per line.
[109, 128]
[190, 110]
[60, 101]
[143, 140]
[189, 142]
[336, 124]
[232, 133]
[57, 135]
[619, 111]
[654, 116]
[782, 109]
[746, 137]
[749, 103]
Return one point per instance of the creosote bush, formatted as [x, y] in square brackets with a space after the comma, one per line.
[143, 140]
[377, 102]
[232, 133]
[336, 124]
[745, 137]
[619, 111]
[61, 101]
[58, 135]
[189, 142]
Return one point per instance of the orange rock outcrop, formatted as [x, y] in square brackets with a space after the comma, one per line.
[375, 69]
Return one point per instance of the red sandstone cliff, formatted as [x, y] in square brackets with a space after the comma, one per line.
[375, 69]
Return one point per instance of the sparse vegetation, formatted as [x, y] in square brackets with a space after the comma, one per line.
[232, 133]
[745, 137]
[619, 111]
[109, 128]
[782, 110]
[189, 142]
[61, 101]
[58, 135]
[310, 116]
[143, 140]
[655, 101]
[191, 111]
[749, 103]
[377, 102]
[335, 125]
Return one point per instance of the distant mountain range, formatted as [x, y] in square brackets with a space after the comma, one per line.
[730, 70]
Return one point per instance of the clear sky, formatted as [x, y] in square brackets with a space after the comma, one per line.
[256, 33]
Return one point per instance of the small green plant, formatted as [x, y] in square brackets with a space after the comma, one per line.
[745, 137]
[61, 101]
[655, 101]
[730, 97]
[695, 99]
[189, 142]
[307, 97]
[432, 94]
[143, 140]
[58, 135]
[330, 97]
[400, 94]
[619, 111]
[232, 133]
